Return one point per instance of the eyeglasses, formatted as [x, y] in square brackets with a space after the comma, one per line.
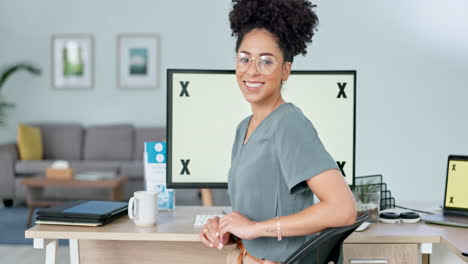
[265, 64]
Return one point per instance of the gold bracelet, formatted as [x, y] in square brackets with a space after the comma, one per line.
[278, 228]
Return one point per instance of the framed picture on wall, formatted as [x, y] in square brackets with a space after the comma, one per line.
[138, 58]
[72, 61]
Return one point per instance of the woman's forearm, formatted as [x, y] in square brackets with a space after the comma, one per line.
[336, 208]
[311, 220]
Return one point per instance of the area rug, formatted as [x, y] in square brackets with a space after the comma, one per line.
[13, 226]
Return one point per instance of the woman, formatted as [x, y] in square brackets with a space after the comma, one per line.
[278, 160]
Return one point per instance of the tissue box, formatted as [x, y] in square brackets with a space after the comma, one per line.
[59, 174]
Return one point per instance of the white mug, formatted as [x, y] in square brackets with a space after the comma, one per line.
[143, 208]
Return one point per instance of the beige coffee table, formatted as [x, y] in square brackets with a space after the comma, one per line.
[35, 187]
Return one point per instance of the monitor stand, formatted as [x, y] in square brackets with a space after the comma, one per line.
[207, 197]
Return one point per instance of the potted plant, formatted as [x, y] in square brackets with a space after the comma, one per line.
[367, 198]
[4, 75]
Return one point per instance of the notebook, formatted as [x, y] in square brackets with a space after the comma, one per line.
[455, 210]
[88, 213]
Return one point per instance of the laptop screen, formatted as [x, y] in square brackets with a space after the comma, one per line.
[456, 194]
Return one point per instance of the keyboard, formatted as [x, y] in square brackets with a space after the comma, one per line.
[200, 220]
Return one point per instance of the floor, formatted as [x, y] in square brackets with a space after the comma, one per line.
[28, 255]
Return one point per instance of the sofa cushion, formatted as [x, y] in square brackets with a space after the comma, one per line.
[132, 169]
[109, 142]
[61, 140]
[32, 166]
[94, 166]
[29, 142]
[147, 134]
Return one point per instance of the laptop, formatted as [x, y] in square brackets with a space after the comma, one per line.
[91, 213]
[455, 211]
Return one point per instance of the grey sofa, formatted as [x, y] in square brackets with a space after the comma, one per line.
[114, 148]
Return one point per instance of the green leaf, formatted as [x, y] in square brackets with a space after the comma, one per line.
[9, 70]
[4, 75]
[363, 191]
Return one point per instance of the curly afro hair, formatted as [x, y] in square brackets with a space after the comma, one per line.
[293, 22]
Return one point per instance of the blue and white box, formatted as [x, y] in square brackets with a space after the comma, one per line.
[155, 174]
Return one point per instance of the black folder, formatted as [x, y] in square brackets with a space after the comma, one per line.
[88, 213]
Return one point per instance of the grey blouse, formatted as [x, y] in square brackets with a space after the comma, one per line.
[268, 174]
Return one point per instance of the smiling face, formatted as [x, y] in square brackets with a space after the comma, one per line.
[257, 87]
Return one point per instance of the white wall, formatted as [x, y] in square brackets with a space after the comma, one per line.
[192, 35]
[411, 59]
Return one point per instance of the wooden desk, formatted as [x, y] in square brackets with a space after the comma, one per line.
[175, 240]
[422, 236]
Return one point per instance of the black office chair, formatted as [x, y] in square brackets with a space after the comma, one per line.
[325, 246]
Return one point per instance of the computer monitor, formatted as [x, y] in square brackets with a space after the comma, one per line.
[456, 196]
[204, 108]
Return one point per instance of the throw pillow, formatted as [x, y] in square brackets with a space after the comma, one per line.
[29, 142]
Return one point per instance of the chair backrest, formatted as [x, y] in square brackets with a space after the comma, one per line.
[326, 245]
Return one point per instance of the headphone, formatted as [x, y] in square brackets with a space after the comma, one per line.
[394, 218]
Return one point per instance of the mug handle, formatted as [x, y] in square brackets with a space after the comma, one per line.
[132, 206]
